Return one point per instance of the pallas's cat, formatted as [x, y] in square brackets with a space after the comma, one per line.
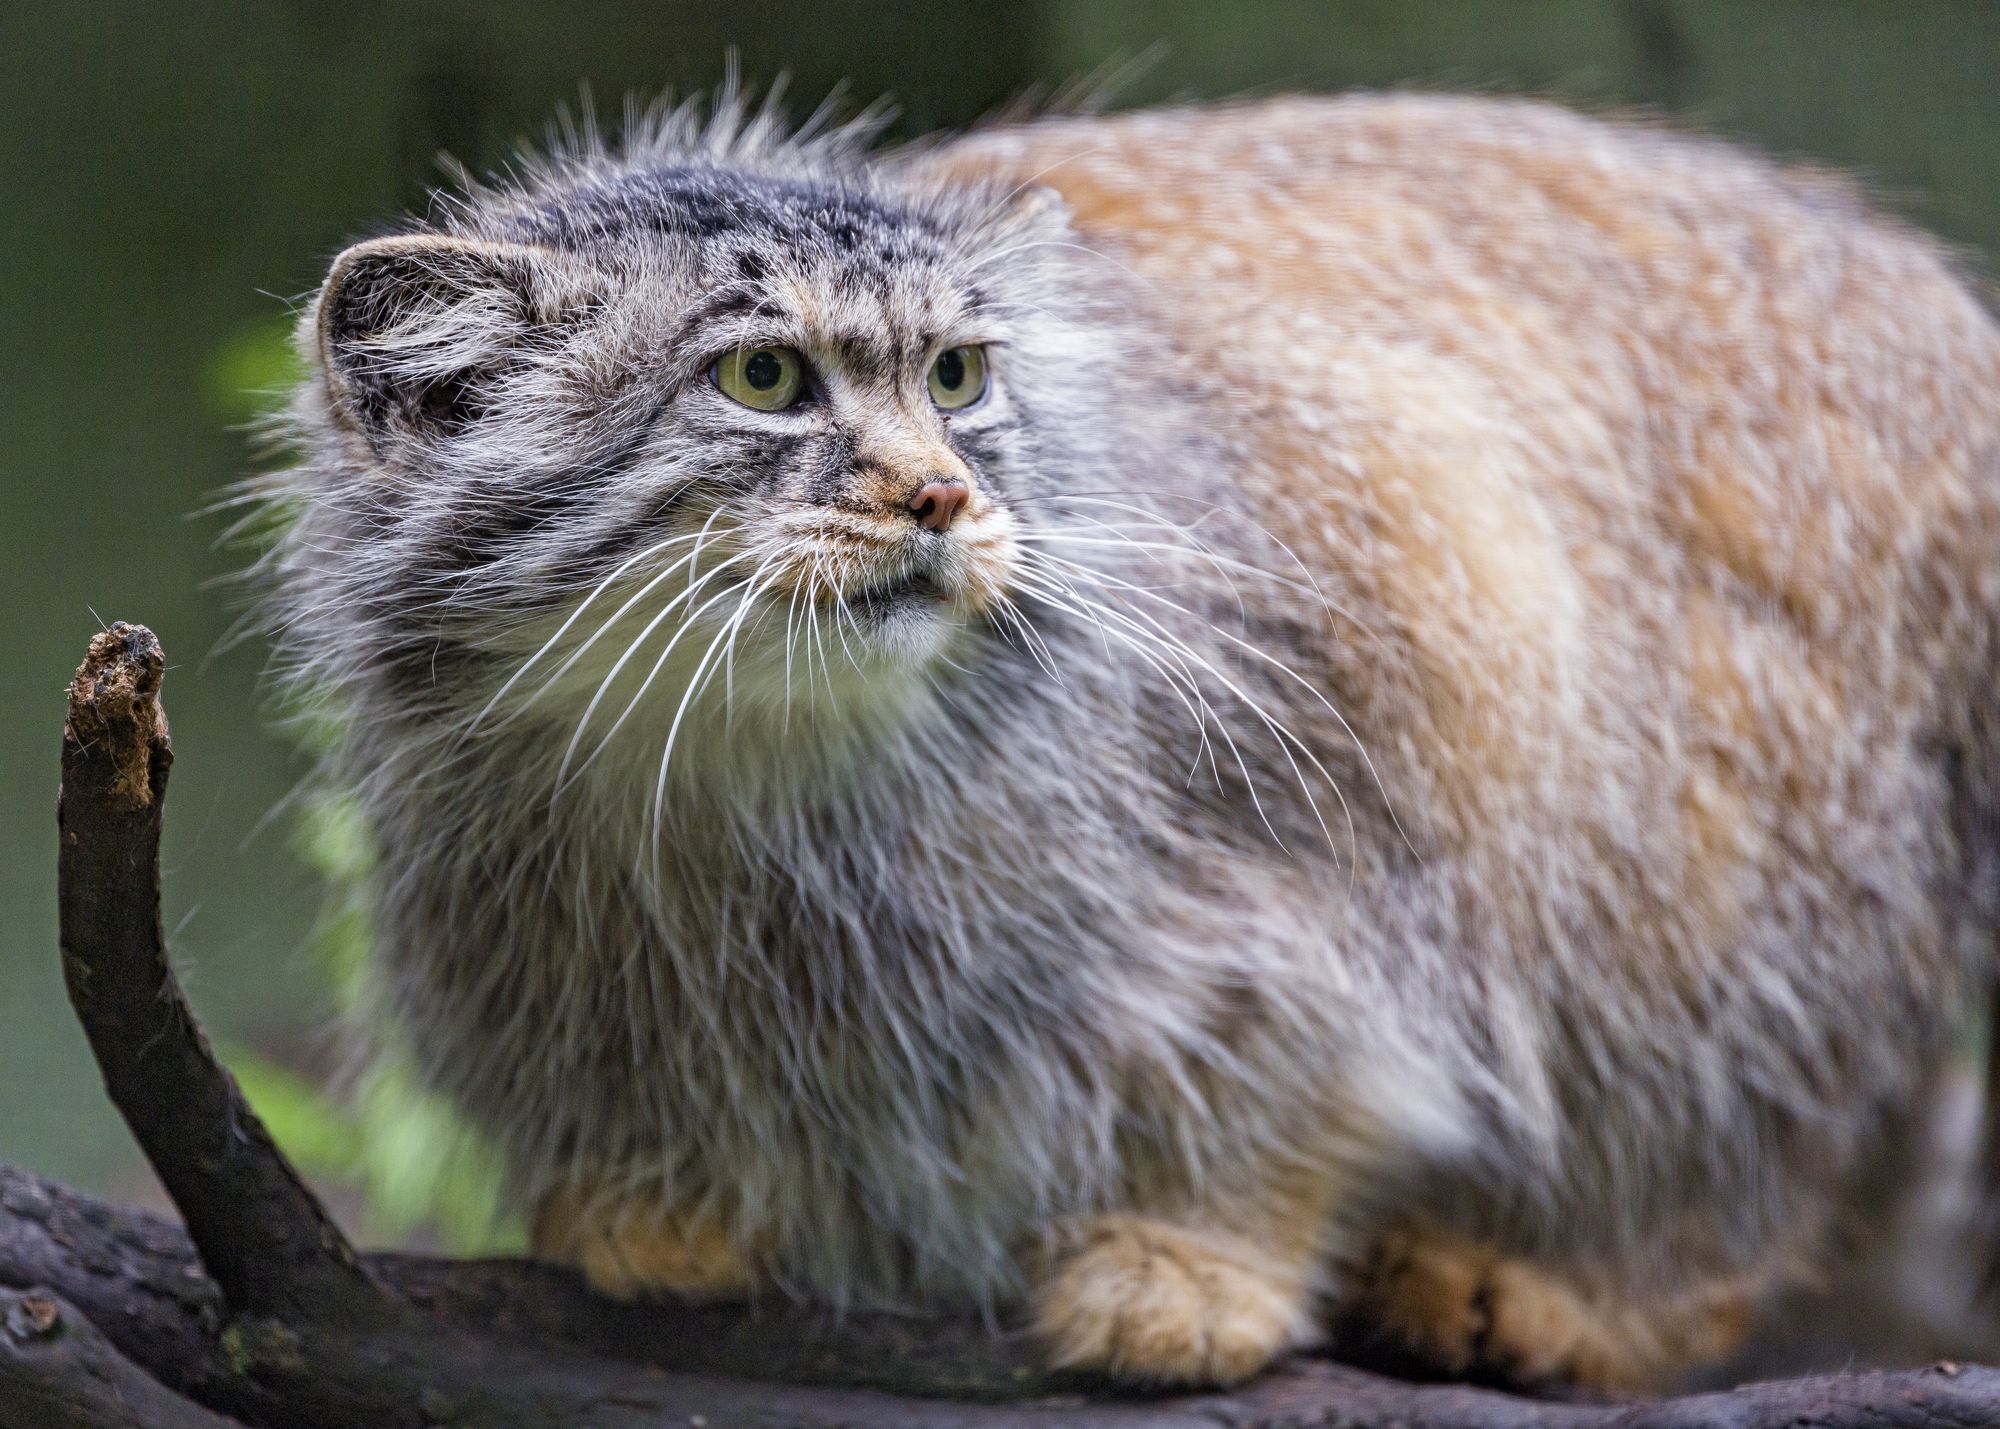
[1197, 721]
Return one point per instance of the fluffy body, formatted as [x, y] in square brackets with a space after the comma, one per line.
[1444, 773]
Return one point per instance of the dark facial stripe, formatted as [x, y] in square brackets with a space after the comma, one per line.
[735, 301]
[989, 450]
[829, 478]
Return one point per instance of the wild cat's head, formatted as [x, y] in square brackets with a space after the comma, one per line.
[708, 420]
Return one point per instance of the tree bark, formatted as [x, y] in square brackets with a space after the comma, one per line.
[58, 1372]
[261, 1233]
[260, 1313]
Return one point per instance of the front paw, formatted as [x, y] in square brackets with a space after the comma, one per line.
[1149, 1301]
[626, 1250]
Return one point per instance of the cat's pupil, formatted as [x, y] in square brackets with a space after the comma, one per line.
[763, 371]
[951, 370]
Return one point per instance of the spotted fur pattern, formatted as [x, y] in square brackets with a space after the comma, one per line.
[1455, 715]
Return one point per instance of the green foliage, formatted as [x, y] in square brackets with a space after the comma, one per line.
[419, 1169]
[417, 1164]
[251, 372]
[320, 1138]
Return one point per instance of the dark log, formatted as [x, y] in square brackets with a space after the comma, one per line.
[503, 1341]
[261, 1312]
[60, 1373]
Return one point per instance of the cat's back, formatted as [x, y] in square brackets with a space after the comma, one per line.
[1563, 402]
[1616, 266]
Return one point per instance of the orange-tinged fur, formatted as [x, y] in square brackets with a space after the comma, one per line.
[625, 1248]
[1523, 384]
[1149, 1300]
[1465, 1308]
[1609, 518]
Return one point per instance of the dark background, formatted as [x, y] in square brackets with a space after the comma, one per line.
[173, 176]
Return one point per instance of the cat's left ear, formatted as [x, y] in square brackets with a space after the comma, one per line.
[1039, 208]
[412, 331]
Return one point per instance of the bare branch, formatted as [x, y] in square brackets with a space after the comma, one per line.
[261, 1233]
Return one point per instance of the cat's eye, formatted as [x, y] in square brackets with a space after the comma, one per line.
[958, 377]
[767, 378]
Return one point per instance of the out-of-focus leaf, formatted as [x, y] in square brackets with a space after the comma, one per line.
[308, 1125]
[418, 1165]
[251, 373]
[423, 1166]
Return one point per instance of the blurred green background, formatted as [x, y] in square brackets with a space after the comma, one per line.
[172, 176]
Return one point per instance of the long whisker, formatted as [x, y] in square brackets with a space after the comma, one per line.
[791, 614]
[1058, 536]
[752, 588]
[1136, 642]
[1212, 510]
[1275, 663]
[696, 684]
[698, 537]
[563, 629]
[842, 618]
[1179, 679]
[1149, 649]
[816, 635]
[1031, 639]
[1287, 739]
[564, 778]
[1152, 552]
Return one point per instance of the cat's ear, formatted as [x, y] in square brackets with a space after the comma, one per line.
[1031, 213]
[1040, 210]
[413, 331]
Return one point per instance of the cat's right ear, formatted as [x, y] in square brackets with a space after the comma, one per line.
[413, 331]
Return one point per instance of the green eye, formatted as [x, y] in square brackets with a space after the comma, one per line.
[767, 378]
[958, 377]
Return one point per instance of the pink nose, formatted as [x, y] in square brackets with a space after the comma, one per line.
[936, 502]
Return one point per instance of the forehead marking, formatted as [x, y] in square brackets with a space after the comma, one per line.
[708, 204]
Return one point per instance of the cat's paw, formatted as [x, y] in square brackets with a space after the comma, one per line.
[625, 1251]
[1462, 1307]
[1148, 1301]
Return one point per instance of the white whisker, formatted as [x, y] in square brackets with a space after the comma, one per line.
[696, 684]
[617, 615]
[1275, 663]
[1150, 648]
[564, 776]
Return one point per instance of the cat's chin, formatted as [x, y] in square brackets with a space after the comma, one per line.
[837, 695]
[899, 626]
[906, 628]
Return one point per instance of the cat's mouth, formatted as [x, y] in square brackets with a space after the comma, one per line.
[896, 592]
[913, 589]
